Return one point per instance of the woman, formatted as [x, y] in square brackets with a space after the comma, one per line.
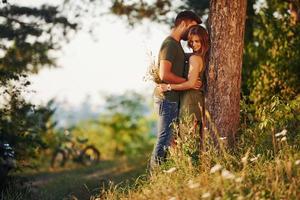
[192, 101]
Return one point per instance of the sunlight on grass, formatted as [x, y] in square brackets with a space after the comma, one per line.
[219, 173]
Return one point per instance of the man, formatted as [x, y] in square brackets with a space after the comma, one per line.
[171, 70]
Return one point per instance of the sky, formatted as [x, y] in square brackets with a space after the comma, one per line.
[114, 63]
[113, 60]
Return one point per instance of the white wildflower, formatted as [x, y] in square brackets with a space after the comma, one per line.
[283, 139]
[253, 159]
[215, 168]
[239, 180]
[171, 170]
[193, 185]
[227, 174]
[205, 195]
[223, 138]
[297, 162]
[282, 133]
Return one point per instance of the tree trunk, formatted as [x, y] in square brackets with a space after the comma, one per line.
[227, 27]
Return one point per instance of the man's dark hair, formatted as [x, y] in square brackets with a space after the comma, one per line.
[187, 15]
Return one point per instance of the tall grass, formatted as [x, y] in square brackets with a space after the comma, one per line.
[243, 176]
[221, 173]
[15, 190]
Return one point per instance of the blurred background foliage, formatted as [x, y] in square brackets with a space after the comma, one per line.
[29, 36]
[271, 75]
[128, 124]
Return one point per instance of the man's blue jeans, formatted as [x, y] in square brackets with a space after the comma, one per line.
[167, 114]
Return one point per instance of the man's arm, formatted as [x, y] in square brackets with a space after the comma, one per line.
[166, 75]
[196, 64]
[193, 82]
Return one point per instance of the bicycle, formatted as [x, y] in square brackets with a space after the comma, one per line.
[75, 150]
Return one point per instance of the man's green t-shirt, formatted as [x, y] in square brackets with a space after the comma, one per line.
[172, 51]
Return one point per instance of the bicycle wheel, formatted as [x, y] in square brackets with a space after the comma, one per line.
[59, 159]
[90, 155]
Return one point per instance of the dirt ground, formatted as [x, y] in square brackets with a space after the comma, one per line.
[81, 182]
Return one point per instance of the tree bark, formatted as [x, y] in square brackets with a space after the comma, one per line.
[227, 28]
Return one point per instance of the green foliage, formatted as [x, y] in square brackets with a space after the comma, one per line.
[29, 36]
[272, 54]
[124, 128]
[136, 11]
[186, 140]
[200, 7]
[23, 124]
[271, 77]
[126, 124]
[260, 124]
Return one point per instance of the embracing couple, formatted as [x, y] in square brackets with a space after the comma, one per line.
[179, 91]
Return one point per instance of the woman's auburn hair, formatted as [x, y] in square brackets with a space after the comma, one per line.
[203, 36]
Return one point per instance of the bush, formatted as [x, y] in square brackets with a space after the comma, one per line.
[260, 124]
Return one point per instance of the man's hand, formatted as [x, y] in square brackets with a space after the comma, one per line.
[162, 87]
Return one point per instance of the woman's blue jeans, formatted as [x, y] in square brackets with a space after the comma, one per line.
[167, 114]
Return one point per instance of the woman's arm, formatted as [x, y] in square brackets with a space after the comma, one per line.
[195, 65]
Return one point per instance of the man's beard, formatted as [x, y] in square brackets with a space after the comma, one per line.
[184, 36]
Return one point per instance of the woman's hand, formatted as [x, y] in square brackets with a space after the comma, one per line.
[197, 85]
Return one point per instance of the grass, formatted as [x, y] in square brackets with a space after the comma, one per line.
[263, 165]
[74, 182]
[220, 174]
